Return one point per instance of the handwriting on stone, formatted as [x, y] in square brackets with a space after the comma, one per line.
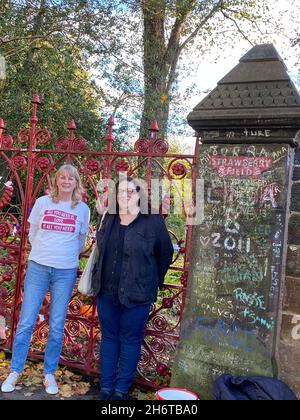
[256, 133]
[296, 328]
[234, 336]
[243, 166]
[237, 254]
[232, 134]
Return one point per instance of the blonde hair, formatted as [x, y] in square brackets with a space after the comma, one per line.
[78, 191]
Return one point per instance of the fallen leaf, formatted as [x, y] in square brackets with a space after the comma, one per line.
[66, 391]
[82, 388]
[36, 380]
[68, 373]
[76, 378]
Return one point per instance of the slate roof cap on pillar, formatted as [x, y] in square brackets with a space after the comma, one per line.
[258, 92]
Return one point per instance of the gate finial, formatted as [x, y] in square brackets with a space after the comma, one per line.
[109, 135]
[72, 125]
[36, 99]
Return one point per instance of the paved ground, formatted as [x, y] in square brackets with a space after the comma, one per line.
[71, 388]
[73, 384]
[37, 392]
[40, 394]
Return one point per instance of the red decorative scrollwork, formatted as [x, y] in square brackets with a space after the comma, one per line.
[73, 328]
[177, 169]
[162, 369]
[141, 146]
[5, 230]
[24, 136]
[122, 166]
[156, 147]
[92, 166]
[6, 141]
[76, 145]
[157, 345]
[19, 163]
[43, 163]
[159, 323]
[7, 195]
[82, 332]
[167, 303]
[7, 276]
[42, 334]
[42, 136]
[62, 143]
[4, 295]
[184, 279]
[160, 147]
[79, 144]
[75, 307]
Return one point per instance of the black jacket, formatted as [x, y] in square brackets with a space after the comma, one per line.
[147, 254]
[227, 387]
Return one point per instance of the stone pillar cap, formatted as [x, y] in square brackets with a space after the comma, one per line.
[258, 93]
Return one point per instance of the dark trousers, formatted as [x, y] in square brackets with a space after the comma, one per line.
[122, 331]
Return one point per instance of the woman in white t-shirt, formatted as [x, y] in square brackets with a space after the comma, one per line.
[59, 223]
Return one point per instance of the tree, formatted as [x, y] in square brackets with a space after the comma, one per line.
[47, 46]
[154, 37]
[137, 48]
[170, 27]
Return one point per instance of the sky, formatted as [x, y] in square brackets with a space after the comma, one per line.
[282, 10]
[208, 69]
[215, 66]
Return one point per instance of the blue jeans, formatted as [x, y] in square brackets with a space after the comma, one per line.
[40, 278]
[122, 332]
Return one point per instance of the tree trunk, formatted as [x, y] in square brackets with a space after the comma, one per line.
[28, 67]
[155, 99]
[160, 61]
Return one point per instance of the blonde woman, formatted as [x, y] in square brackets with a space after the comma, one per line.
[58, 226]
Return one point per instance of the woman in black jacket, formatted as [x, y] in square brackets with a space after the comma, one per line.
[135, 252]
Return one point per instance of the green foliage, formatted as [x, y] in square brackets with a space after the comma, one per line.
[136, 51]
[47, 47]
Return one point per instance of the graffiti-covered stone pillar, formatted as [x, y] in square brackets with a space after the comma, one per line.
[248, 127]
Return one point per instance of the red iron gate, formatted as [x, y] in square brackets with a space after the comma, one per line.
[27, 166]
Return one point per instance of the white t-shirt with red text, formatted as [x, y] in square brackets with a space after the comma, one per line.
[60, 229]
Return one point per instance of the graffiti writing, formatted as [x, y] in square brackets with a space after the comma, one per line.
[254, 319]
[219, 332]
[251, 299]
[296, 329]
[244, 166]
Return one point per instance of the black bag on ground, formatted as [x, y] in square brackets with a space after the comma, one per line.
[227, 387]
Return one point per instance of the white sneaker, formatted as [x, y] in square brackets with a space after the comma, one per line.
[9, 384]
[50, 384]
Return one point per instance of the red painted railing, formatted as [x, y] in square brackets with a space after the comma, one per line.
[29, 166]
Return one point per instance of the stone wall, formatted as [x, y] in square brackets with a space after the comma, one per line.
[289, 349]
[242, 311]
[232, 313]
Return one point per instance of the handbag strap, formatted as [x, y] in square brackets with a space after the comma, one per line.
[102, 219]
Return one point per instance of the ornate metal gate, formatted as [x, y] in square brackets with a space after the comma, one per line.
[27, 166]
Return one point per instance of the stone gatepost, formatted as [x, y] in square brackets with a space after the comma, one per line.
[232, 320]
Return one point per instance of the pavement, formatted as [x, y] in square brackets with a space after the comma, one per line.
[73, 385]
[37, 392]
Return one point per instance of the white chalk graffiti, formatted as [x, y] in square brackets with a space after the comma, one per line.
[296, 329]
[268, 195]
